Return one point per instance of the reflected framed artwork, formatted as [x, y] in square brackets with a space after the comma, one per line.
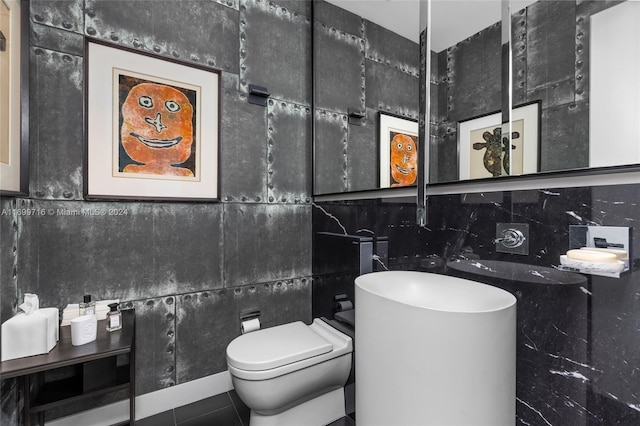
[152, 126]
[398, 138]
[484, 152]
[14, 97]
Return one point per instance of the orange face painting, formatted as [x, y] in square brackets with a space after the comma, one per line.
[157, 130]
[404, 160]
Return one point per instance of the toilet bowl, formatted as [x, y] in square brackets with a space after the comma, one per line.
[293, 374]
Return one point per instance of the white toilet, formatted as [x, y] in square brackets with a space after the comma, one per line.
[293, 374]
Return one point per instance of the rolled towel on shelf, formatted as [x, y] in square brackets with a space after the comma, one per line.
[620, 253]
[73, 310]
[591, 256]
[593, 266]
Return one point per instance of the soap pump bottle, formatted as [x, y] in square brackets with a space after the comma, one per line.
[114, 318]
[87, 307]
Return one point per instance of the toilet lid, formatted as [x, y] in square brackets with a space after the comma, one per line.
[276, 346]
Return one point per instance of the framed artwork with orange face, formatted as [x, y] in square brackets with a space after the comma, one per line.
[398, 151]
[152, 126]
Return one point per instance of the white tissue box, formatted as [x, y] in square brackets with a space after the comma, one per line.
[33, 334]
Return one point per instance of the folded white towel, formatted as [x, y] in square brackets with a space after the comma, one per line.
[73, 310]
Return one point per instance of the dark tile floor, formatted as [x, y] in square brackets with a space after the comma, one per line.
[221, 410]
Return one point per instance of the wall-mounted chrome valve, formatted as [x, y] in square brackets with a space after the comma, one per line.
[512, 238]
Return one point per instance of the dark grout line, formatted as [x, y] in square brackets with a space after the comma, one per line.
[236, 410]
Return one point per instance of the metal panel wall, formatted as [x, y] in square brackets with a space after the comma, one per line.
[152, 255]
[362, 67]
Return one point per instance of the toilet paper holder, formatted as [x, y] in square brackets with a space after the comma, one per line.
[341, 302]
[249, 321]
[249, 315]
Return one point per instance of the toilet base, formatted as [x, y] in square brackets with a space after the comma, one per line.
[319, 411]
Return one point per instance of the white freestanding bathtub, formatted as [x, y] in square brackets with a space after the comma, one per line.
[433, 350]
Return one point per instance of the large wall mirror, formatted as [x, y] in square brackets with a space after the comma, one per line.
[575, 87]
[366, 86]
[573, 72]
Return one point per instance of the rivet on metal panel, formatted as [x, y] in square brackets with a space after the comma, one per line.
[91, 31]
[66, 25]
[237, 290]
[169, 317]
[150, 303]
[114, 37]
[187, 298]
[170, 349]
[271, 199]
[91, 13]
[169, 301]
[38, 17]
[170, 334]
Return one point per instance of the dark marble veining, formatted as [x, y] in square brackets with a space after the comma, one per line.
[578, 353]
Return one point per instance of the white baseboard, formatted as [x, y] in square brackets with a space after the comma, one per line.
[151, 403]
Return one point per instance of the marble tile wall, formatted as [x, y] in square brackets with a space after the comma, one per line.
[578, 354]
